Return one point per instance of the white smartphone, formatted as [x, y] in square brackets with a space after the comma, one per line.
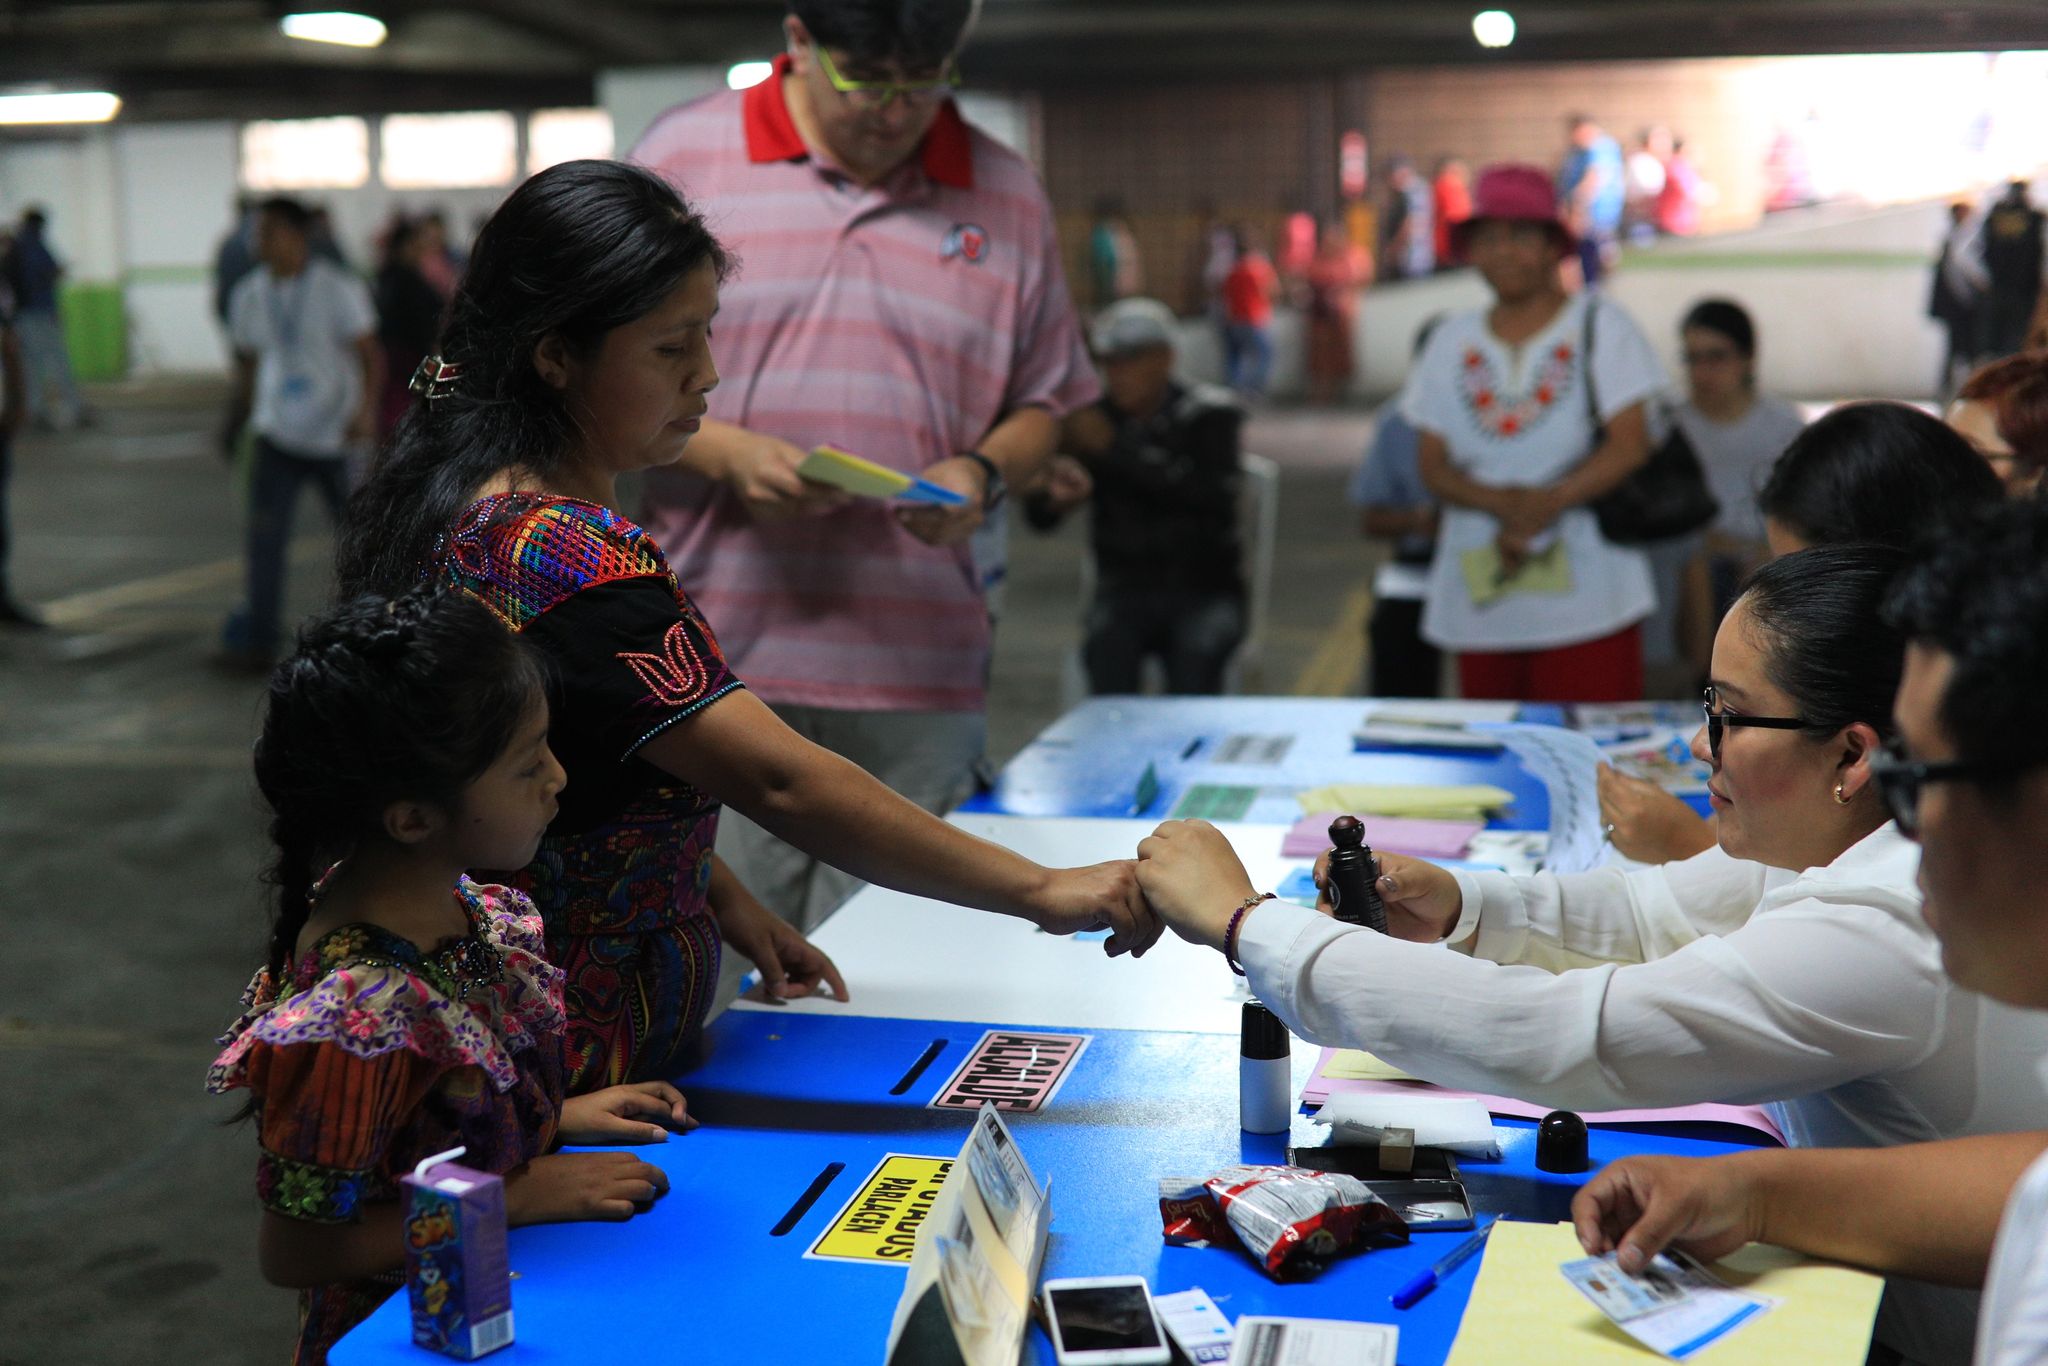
[1104, 1321]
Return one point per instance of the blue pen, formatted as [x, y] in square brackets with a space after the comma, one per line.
[1408, 1294]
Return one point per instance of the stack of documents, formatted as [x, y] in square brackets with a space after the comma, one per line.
[1394, 834]
[1453, 802]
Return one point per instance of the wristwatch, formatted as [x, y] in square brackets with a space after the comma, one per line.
[995, 487]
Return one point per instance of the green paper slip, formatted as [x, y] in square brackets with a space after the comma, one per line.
[1148, 790]
[1215, 802]
[1547, 572]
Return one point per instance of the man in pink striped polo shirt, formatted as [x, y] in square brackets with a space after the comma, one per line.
[899, 295]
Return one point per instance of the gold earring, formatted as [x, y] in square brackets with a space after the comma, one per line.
[1840, 800]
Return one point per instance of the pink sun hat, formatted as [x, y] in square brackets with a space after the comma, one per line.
[1518, 194]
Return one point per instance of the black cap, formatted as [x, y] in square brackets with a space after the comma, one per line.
[1561, 1143]
[1264, 1035]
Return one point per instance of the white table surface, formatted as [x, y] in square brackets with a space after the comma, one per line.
[910, 958]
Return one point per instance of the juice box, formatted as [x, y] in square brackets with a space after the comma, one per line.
[456, 1273]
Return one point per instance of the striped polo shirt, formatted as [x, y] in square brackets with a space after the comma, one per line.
[900, 321]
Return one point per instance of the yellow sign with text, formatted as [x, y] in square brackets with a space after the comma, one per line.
[880, 1222]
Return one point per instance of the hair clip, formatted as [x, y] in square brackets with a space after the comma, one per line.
[435, 378]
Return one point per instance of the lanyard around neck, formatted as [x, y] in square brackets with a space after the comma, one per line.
[287, 309]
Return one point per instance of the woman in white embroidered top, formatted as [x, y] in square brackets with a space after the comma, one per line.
[1789, 966]
[1529, 411]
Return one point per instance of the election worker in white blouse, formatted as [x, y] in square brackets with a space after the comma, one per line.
[1970, 780]
[1791, 965]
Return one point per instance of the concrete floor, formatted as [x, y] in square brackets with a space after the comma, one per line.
[130, 841]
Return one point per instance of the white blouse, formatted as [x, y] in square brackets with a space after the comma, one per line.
[1516, 417]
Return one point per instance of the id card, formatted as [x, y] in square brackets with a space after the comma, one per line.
[1621, 1296]
[1674, 1306]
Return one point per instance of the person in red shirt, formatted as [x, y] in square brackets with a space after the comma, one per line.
[1678, 203]
[1248, 318]
[1452, 190]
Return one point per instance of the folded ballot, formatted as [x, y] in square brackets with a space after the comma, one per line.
[1462, 1126]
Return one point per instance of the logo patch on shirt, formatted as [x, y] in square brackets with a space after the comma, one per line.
[968, 241]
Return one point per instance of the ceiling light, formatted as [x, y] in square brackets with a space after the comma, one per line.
[335, 26]
[83, 106]
[745, 74]
[1493, 28]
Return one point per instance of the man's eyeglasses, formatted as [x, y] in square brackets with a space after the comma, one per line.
[1718, 721]
[882, 94]
[1900, 779]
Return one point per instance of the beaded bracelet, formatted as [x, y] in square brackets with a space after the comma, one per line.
[1230, 933]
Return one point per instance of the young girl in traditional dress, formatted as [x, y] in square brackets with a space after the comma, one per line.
[406, 1009]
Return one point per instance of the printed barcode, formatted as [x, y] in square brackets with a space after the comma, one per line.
[490, 1335]
[1261, 1347]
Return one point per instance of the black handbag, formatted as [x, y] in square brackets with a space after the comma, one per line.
[1666, 497]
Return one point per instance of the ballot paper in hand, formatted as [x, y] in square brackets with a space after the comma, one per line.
[845, 470]
[1674, 1306]
[1463, 1126]
[1568, 765]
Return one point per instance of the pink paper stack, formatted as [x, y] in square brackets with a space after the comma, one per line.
[1398, 835]
[1320, 1088]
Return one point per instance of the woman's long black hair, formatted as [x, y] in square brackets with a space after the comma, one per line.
[576, 251]
[1819, 615]
[1877, 473]
[383, 701]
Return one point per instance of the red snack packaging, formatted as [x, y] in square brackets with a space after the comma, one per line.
[1292, 1221]
[1190, 1214]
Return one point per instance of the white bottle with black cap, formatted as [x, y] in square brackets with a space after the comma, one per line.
[1263, 1072]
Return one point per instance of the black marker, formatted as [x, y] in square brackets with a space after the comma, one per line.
[1353, 876]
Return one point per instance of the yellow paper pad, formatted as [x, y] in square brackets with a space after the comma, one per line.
[1549, 571]
[1470, 801]
[1355, 1064]
[1523, 1310]
[845, 470]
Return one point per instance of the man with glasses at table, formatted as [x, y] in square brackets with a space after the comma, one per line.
[899, 296]
[1969, 780]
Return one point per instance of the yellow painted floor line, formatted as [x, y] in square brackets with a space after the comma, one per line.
[1338, 665]
[124, 756]
[82, 607]
[172, 583]
[23, 1034]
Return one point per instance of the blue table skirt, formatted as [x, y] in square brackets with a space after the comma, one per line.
[701, 1278]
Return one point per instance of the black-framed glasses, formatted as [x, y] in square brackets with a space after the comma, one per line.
[1900, 779]
[1718, 721]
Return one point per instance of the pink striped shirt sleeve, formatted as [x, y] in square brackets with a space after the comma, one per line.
[900, 321]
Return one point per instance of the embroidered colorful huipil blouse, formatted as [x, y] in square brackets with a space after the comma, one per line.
[622, 878]
[372, 1055]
